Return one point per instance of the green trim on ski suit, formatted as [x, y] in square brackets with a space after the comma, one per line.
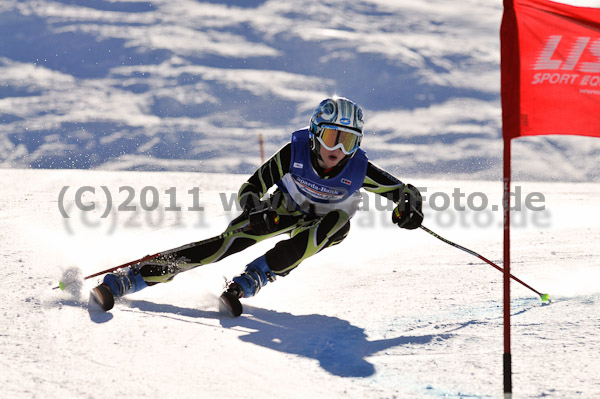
[377, 180]
[307, 238]
[308, 235]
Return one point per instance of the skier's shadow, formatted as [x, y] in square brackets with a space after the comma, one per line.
[340, 347]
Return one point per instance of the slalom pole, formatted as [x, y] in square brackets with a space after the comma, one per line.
[62, 285]
[544, 297]
[261, 148]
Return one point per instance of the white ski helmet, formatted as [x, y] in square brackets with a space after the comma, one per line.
[336, 112]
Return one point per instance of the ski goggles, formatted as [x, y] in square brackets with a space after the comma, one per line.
[333, 137]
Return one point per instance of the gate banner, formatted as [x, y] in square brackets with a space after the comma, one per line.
[550, 64]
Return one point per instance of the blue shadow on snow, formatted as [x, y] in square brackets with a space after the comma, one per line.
[340, 347]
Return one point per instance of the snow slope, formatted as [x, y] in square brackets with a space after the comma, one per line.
[181, 85]
[387, 313]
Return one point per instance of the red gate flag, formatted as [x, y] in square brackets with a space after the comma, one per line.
[550, 67]
[550, 64]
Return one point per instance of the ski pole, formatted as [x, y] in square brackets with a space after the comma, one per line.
[62, 285]
[544, 297]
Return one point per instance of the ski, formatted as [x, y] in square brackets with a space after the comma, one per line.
[231, 304]
[64, 284]
[104, 297]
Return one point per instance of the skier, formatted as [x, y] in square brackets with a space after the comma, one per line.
[318, 177]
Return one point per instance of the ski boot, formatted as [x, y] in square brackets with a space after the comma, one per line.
[124, 281]
[247, 284]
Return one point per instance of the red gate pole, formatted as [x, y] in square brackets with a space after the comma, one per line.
[507, 363]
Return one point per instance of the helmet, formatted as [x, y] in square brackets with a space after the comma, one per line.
[337, 114]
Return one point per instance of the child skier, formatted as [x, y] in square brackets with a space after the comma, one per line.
[318, 177]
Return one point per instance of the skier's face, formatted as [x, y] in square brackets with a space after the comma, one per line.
[329, 159]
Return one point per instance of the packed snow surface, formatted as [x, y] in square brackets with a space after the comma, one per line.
[387, 313]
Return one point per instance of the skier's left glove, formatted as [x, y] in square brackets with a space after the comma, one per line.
[263, 221]
[408, 214]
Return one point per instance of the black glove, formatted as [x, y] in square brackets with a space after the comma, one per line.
[263, 221]
[408, 214]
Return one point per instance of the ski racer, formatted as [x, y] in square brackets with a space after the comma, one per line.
[318, 176]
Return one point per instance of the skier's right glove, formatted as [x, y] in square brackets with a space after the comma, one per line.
[409, 212]
[263, 221]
